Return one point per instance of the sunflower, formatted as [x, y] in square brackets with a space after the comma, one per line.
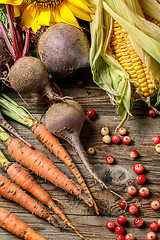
[37, 13]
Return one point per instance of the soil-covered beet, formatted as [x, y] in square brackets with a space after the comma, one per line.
[28, 75]
[64, 49]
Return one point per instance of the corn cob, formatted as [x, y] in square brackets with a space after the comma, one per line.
[131, 62]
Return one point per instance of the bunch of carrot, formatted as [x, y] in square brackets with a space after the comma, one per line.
[10, 108]
[23, 178]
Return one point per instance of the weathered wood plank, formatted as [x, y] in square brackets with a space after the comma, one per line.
[141, 129]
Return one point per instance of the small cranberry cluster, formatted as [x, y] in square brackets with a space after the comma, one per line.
[156, 140]
[119, 230]
[104, 131]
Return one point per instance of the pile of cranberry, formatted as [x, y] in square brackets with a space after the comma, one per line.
[138, 168]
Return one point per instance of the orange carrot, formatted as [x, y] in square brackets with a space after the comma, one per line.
[23, 178]
[52, 143]
[38, 163]
[13, 224]
[12, 192]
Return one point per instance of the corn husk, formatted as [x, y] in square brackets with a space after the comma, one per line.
[145, 38]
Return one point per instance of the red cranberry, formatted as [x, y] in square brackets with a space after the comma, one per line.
[138, 222]
[158, 222]
[110, 225]
[138, 168]
[144, 192]
[151, 113]
[104, 131]
[122, 131]
[121, 220]
[153, 226]
[151, 236]
[120, 237]
[155, 205]
[115, 139]
[133, 154]
[156, 139]
[133, 209]
[110, 159]
[91, 114]
[141, 179]
[119, 230]
[122, 204]
[80, 83]
[129, 236]
[132, 190]
[126, 140]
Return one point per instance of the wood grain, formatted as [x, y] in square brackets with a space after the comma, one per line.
[140, 127]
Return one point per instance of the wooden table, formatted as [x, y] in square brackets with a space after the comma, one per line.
[140, 127]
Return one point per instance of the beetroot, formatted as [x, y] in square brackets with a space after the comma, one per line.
[63, 49]
[65, 120]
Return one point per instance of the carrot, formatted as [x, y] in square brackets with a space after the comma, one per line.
[23, 178]
[12, 192]
[38, 163]
[10, 108]
[52, 143]
[15, 225]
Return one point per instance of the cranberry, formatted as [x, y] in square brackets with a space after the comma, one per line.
[120, 237]
[151, 113]
[156, 139]
[157, 148]
[151, 236]
[121, 220]
[155, 205]
[104, 131]
[141, 179]
[80, 83]
[153, 226]
[133, 154]
[126, 140]
[133, 209]
[122, 204]
[119, 230]
[91, 114]
[116, 139]
[138, 222]
[144, 192]
[110, 159]
[110, 225]
[158, 222]
[106, 139]
[138, 168]
[122, 131]
[129, 236]
[90, 151]
[132, 190]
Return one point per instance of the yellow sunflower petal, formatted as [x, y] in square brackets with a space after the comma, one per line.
[36, 27]
[16, 11]
[67, 15]
[11, 2]
[79, 4]
[30, 16]
[44, 17]
[79, 13]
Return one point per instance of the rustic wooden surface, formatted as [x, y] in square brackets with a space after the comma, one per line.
[141, 128]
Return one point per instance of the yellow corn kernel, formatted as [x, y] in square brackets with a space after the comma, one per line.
[130, 61]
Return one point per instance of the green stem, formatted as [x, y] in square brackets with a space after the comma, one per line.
[3, 161]
[4, 136]
[11, 109]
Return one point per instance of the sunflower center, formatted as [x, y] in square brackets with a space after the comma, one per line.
[46, 3]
